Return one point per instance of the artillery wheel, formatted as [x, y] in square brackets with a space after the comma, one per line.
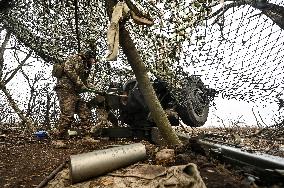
[194, 111]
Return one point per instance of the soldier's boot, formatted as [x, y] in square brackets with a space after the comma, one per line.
[61, 133]
[85, 124]
[101, 121]
[85, 128]
[59, 136]
[102, 116]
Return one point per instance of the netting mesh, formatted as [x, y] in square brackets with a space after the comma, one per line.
[238, 52]
[242, 55]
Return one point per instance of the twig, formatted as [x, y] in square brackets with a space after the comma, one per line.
[221, 121]
[224, 9]
[52, 174]
[15, 71]
[257, 122]
[262, 120]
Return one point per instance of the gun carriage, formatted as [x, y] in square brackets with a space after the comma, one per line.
[125, 105]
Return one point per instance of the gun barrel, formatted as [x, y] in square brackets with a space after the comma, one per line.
[263, 161]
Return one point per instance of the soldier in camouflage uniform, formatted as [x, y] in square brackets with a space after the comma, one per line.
[72, 82]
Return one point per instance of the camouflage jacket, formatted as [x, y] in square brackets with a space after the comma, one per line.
[75, 74]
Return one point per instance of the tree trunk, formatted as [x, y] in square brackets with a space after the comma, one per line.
[13, 104]
[47, 112]
[147, 90]
[139, 69]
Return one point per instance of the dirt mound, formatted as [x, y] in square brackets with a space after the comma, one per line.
[26, 161]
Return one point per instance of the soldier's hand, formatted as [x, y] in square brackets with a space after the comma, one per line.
[84, 89]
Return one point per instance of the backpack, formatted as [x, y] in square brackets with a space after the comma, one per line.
[57, 70]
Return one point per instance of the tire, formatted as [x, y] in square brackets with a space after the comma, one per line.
[194, 110]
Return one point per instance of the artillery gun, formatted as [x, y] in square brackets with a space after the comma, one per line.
[125, 105]
[190, 104]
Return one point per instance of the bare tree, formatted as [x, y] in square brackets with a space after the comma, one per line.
[6, 78]
[33, 91]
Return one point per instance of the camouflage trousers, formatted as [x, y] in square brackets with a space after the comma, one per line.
[102, 120]
[71, 103]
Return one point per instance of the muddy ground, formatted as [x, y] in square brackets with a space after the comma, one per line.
[25, 161]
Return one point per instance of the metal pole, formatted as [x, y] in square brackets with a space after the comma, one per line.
[87, 165]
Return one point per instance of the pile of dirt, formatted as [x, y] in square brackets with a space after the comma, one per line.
[25, 161]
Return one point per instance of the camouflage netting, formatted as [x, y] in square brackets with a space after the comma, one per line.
[242, 54]
[236, 47]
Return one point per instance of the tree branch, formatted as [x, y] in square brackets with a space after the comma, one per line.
[2, 50]
[272, 11]
[275, 13]
[14, 72]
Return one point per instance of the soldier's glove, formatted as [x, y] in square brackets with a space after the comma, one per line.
[84, 89]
